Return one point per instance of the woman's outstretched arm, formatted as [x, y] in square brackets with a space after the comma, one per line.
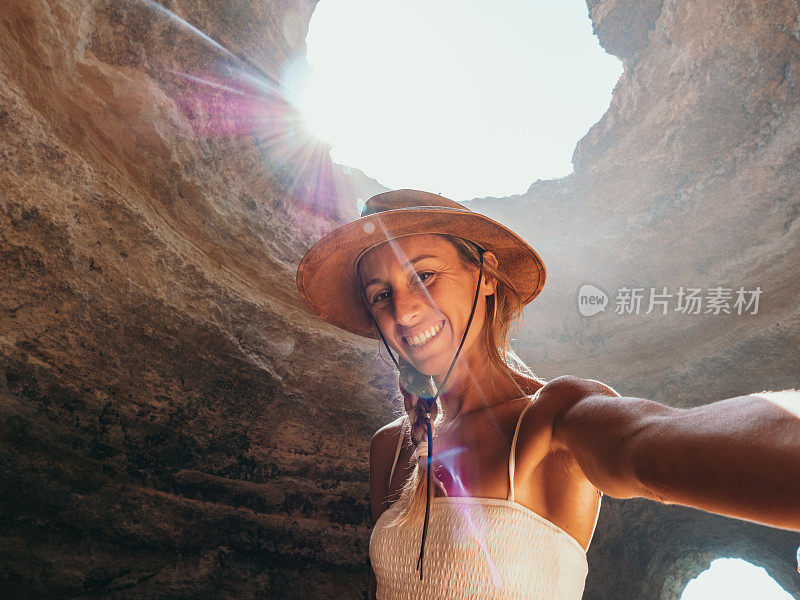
[738, 457]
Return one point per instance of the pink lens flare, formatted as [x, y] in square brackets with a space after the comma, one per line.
[226, 96]
[473, 517]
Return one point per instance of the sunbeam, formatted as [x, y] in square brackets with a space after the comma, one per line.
[238, 99]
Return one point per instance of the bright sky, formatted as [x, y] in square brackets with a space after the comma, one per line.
[734, 579]
[466, 99]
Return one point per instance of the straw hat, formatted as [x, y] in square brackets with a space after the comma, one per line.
[327, 277]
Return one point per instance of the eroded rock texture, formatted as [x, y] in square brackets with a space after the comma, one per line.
[173, 424]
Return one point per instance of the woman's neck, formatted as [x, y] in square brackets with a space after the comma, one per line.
[475, 384]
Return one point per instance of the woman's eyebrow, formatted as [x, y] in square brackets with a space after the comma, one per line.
[411, 262]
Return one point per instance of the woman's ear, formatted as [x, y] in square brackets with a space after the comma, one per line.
[489, 284]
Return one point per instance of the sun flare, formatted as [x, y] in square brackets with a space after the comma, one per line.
[466, 99]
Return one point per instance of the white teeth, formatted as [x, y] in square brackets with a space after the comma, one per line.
[422, 338]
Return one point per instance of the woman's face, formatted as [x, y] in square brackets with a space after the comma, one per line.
[420, 294]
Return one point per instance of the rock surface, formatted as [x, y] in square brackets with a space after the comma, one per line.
[173, 423]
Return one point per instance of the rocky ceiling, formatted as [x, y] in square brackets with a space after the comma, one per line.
[173, 424]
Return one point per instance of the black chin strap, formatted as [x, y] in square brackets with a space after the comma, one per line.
[427, 403]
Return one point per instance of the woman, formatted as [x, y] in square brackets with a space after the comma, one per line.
[506, 504]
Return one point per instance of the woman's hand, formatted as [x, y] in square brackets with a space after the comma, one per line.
[738, 457]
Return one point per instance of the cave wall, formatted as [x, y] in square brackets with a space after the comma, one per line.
[173, 424]
[162, 389]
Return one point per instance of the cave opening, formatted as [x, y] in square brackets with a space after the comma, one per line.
[467, 100]
[734, 579]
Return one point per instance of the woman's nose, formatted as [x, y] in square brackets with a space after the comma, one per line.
[407, 305]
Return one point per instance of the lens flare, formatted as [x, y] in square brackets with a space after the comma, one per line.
[473, 517]
[230, 97]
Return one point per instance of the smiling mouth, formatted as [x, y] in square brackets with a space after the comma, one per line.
[423, 339]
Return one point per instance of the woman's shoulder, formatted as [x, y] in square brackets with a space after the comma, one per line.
[547, 402]
[385, 438]
[564, 384]
[537, 448]
[381, 453]
[391, 429]
[571, 386]
[552, 401]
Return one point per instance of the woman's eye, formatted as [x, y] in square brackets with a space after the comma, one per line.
[422, 277]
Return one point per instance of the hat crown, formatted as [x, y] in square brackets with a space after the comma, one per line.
[397, 199]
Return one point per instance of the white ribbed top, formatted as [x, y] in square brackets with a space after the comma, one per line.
[478, 548]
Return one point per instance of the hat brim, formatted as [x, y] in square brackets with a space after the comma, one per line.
[327, 280]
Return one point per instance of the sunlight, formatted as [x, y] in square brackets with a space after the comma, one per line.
[789, 400]
[465, 99]
[233, 98]
[734, 579]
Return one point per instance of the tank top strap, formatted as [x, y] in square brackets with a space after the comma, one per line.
[396, 456]
[511, 455]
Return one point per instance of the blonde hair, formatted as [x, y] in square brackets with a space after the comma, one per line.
[503, 308]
